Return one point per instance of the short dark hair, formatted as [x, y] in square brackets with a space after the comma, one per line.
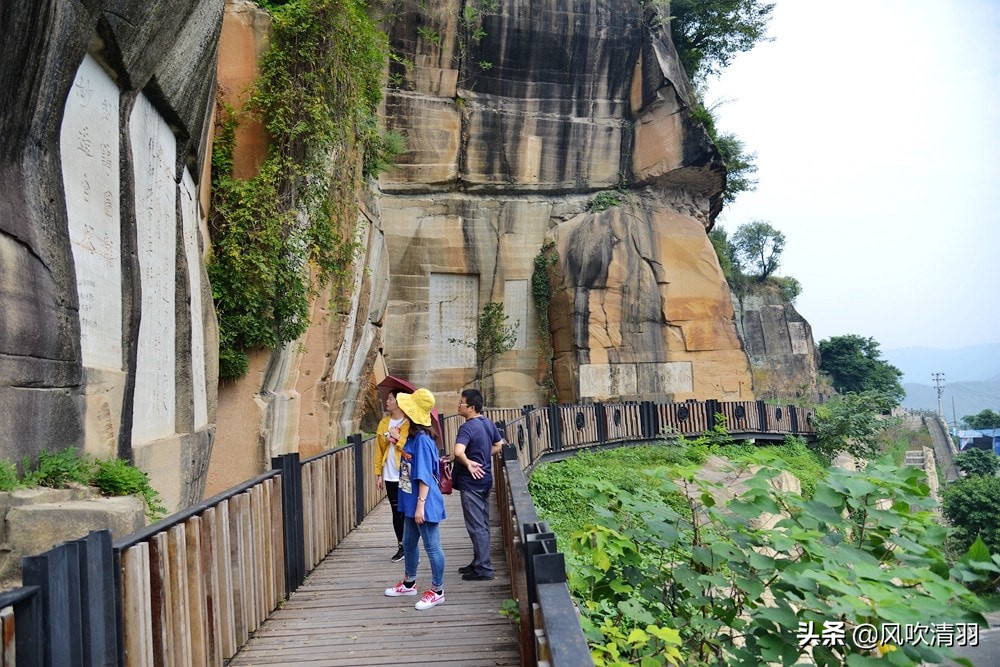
[474, 399]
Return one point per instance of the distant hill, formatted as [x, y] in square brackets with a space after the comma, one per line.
[964, 364]
[971, 378]
[957, 400]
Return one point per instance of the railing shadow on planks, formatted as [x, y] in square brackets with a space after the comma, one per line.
[193, 587]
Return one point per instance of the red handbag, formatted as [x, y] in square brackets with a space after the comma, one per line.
[444, 475]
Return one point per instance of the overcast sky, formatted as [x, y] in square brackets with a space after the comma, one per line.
[876, 125]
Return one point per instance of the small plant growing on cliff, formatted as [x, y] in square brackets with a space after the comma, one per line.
[58, 470]
[115, 477]
[542, 294]
[605, 200]
[8, 476]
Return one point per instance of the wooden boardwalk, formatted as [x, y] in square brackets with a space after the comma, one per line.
[340, 616]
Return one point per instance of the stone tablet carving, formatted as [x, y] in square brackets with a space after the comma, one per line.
[154, 155]
[516, 308]
[90, 158]
[602, 381]
[190, 219]
[454, 315]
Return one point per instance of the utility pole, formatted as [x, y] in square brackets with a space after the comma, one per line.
[938, 379]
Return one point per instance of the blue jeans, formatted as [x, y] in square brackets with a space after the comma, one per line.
[431, 534]
[476, 512]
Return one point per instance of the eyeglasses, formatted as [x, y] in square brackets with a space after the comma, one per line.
[463, 405]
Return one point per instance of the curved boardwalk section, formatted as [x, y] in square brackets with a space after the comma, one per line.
[340, 616]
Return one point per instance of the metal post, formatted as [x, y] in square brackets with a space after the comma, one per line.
[359, 475]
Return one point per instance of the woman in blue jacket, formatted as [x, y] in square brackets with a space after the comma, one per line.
[420, 501]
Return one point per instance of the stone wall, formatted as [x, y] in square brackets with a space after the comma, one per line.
[108, 339]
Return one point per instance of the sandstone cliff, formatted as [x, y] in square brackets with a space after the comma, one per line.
[107, 341]
[783, 355]
[516, 119]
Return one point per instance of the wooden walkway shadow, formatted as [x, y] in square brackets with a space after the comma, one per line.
[340, 616]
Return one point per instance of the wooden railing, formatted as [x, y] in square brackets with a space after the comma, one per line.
[192, 588]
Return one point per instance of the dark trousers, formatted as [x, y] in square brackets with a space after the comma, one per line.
[476, 512]
[392, 491]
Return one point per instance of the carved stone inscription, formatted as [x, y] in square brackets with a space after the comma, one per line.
[603, 381]
[670, 377]
[153, 155]
[189, 211]
[90, 157]
[454, 314]
[516, 308]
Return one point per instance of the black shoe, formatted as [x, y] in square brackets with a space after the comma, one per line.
[475, 576]
[399, 555]
[467, 569]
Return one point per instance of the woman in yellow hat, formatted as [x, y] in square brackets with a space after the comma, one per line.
[420, 500]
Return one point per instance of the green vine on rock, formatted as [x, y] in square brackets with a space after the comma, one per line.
[280, 235]
[541, 291]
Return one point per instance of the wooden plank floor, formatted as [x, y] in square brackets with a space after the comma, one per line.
[340, 616]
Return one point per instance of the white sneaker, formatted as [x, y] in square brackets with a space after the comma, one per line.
[430, 599]
[399, 590]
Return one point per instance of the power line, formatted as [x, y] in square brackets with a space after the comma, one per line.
[938, 379]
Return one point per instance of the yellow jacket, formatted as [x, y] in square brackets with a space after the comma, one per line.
[383, 444]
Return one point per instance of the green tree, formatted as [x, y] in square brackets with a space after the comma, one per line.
[970, 504]
[494, 336]
[978, 462]
[709, 33]
[987, 419]
[850, 423]
[854, 365]
[740, 166]
[758, 247]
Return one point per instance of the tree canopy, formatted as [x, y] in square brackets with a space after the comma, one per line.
[854, 365]
[757, 248]
[987, 419]
[978, 462]
[709, 33]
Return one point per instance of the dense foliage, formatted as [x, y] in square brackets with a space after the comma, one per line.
[978, 462]
[854, 365]
[970, 504]
[740, 166]
[984, 420]
[666, 573]
[709, 33]
[851, 423]
[279, 235]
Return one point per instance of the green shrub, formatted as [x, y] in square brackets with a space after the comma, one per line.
[605, 200]
[8, 476]
[58, 470]
[115, 477]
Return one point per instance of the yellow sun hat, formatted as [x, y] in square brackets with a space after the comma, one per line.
[417, 406]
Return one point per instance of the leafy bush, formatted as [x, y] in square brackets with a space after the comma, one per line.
[605, 200]
[8, 476]
[115, 477]
[58, 470]
[737, 592]
[981, 462]
[970, 504]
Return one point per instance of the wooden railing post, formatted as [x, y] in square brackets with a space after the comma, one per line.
[291, 500]
[555, 428]
[601, 415]
[56, 573]
[793, 414]
[762, 413]
[648, 420]
[361, 479]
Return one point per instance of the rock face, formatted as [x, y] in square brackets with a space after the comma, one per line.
[780, 343]
[108, 337]
[516, 120]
